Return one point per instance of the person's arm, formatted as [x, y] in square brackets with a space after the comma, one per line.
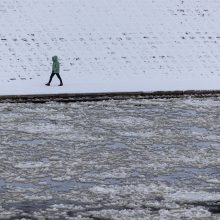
[58, 67]
[53, 67]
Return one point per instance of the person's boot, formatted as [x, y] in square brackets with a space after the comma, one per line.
[61, 84]
[47, 84]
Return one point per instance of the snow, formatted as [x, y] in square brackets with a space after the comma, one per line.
[109, 46]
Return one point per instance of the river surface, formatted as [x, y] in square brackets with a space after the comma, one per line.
[133, 159]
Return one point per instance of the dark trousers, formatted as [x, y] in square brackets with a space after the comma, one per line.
[58, 76]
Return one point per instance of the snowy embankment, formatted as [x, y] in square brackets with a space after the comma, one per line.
[109, 46]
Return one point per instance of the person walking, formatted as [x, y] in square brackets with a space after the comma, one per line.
[55, 71]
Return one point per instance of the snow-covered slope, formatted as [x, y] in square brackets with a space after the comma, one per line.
[117, 45]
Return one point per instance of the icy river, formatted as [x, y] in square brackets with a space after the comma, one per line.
[133, 159]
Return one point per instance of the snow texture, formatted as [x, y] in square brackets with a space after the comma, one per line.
[109, 46]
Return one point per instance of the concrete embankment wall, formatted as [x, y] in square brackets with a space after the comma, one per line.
[83, 97]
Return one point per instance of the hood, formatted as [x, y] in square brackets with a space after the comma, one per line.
[55, 58]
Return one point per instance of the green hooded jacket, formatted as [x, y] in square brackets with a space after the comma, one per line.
[56, 65]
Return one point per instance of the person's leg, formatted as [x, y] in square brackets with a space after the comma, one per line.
[58, 76]
[51, 77]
